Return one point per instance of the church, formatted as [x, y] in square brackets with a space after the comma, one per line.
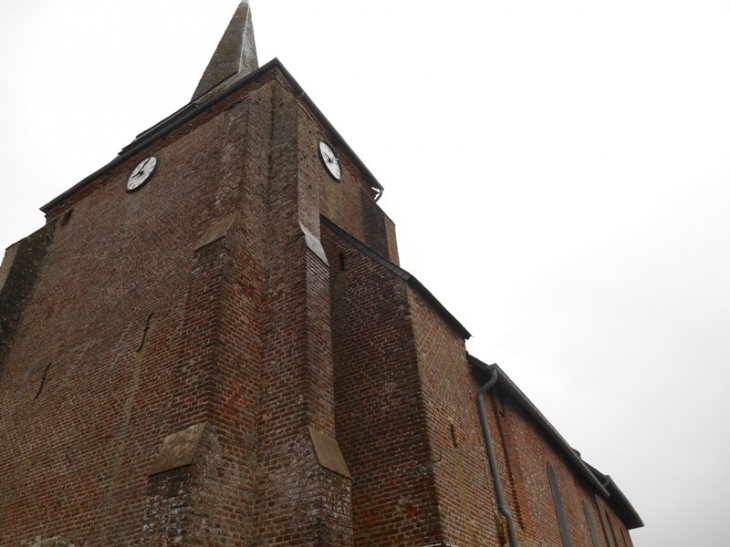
[211, 342]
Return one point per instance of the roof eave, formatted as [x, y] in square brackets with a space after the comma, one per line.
[410, 280]
[195, 108]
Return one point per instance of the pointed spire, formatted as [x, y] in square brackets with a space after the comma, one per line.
[236, 52]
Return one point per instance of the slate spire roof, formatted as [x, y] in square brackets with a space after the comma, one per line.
[235, 54]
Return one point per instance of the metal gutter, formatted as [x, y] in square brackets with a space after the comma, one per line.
[552, 433]
[618, 500]
[489, 445]
[195, 108]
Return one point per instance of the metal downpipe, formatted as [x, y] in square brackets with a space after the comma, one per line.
[492, 458]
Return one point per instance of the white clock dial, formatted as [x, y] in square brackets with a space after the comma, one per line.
[330, 161]
[141, 173]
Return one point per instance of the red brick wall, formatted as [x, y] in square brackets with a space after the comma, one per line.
[18, 273]
[406, 404]
[124, 269]
[198, 300]
[465, 492]
[381, 425]
[349, 203]
[135, 332]
[297, 500]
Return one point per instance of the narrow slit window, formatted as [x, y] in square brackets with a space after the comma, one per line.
[559, 509]
[591, 526]
[614, 541]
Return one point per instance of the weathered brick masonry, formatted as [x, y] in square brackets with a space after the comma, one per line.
[231, 356]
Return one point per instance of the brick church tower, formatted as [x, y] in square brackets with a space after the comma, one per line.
[211, 342]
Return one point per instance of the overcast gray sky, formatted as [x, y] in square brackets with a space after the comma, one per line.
[559, 173]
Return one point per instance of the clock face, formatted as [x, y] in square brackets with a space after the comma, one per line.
[330, 161]
[141, 173]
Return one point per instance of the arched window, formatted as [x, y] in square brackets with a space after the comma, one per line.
[559, 509]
